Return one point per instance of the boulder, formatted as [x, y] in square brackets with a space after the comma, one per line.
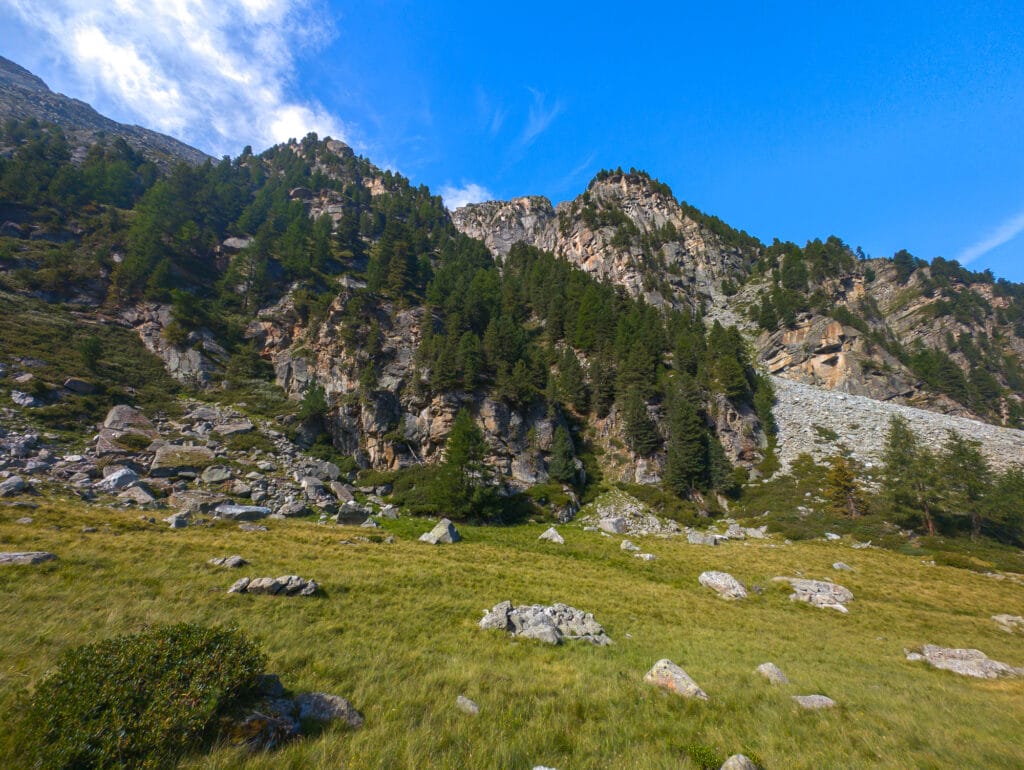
[286, 585]
[171, 460]
[465, 705]
[229, 561]
[247, 527]
[645, 556]
[443, 532]
[550, 624]
[216, 474]
[341, 491]
[772, 673]
[178, 520]
[551, 535]
[137, 495]
[241, 512]
[614, 526]
[739, 762]
[966, 662]
[14, 485]
[370, 524]
[813, 702]
[127, 419]
[323, 707]
[842, 566]
[702, 538]
[81, 387]
[668, 675]
[25, 399]
[819, 593]
[724, 584]
[1009, 623]
[234, 428]
[26, 557]
[627, 545]
[117, 481]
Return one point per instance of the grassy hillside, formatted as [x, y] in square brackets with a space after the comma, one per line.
[396, 634]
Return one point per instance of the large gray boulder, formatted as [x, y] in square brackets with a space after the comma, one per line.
[443, 532]
[26, 557]
[669, 676]
[724, 584]
[819, 593]
[171, 460]
[241, 512]
[14, 485]
[324, 707]
[550, 624]
[966, 662]
[117, 481]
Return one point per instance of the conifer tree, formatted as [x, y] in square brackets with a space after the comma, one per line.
[641, 433]
[842, 489]
[462, 483]
[571, 384]
[686, 462]
[561, 466]
[910, 478]
[967, 478]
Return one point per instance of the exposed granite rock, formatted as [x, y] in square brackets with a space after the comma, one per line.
[324, 707]
[820, 593]
[466, 706]
[724, 584]
[26, 557]
[813, 702]
[241, 512]
[229, 561]
[443, 532]
[739, 762]
[669, 676]
[552, 535]
[286, 585]
[772, 673]
[966, 662]
[1010, 623]
[549, 624]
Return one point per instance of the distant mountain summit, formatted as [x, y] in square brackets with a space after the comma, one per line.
[24, 96]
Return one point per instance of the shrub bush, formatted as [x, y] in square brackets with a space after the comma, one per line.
[138, 700]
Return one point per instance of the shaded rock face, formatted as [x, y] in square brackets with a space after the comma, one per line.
[547, 624]
[197, 363]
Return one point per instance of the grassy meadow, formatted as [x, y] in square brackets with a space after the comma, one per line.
[395, 632]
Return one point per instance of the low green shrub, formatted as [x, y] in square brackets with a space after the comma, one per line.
[138, 700]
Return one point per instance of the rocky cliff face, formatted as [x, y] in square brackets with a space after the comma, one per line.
[626, 229]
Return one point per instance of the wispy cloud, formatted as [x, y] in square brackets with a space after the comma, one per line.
[540, 117]
[456, 197]
[491, 116]
[216, 73]
[1004, 233]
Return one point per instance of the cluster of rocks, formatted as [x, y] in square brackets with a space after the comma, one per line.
[966, 662]
[617, 513]
[286, 585]
[733, 531]
[274, 719]
[550, 624]
[189, 465]
[819, 593]
[669, 676]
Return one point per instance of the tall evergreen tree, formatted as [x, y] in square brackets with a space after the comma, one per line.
[641, 433]
[686, 462]
[561, 466]
[967, 478]
[910, 478]
[462, 484]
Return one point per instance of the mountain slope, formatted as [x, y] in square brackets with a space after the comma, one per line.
[24, 96]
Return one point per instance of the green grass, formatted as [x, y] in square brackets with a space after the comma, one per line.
[396, 634]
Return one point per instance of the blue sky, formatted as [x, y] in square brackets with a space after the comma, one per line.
[892, 125]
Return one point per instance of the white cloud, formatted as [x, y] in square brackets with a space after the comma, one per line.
[539, 117]
[456, 197]
[214, 73]
[1004, 233]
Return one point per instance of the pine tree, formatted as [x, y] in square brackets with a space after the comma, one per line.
[686, 462]
[967, 478]
[561, 466]
[641, 433]
[571, 385]
[910, 479]
[842, 489]
[462, 483]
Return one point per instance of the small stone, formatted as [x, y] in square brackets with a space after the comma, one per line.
[842, 566]
[137, 495]
[178, 520]
[26, 557]
[246, 527]
[551, 535]
[702, 538]
[814, 701]
[25, 399]
[443, 532]
[832, 536]
[464, 704]
[239, 586]
[614, 526]
[23, 520]
[772, 673]
[669, 676]
[79, 386]
[645, 556]
[627, 545]
[117, 481]
[293, 509]
[370, 524]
